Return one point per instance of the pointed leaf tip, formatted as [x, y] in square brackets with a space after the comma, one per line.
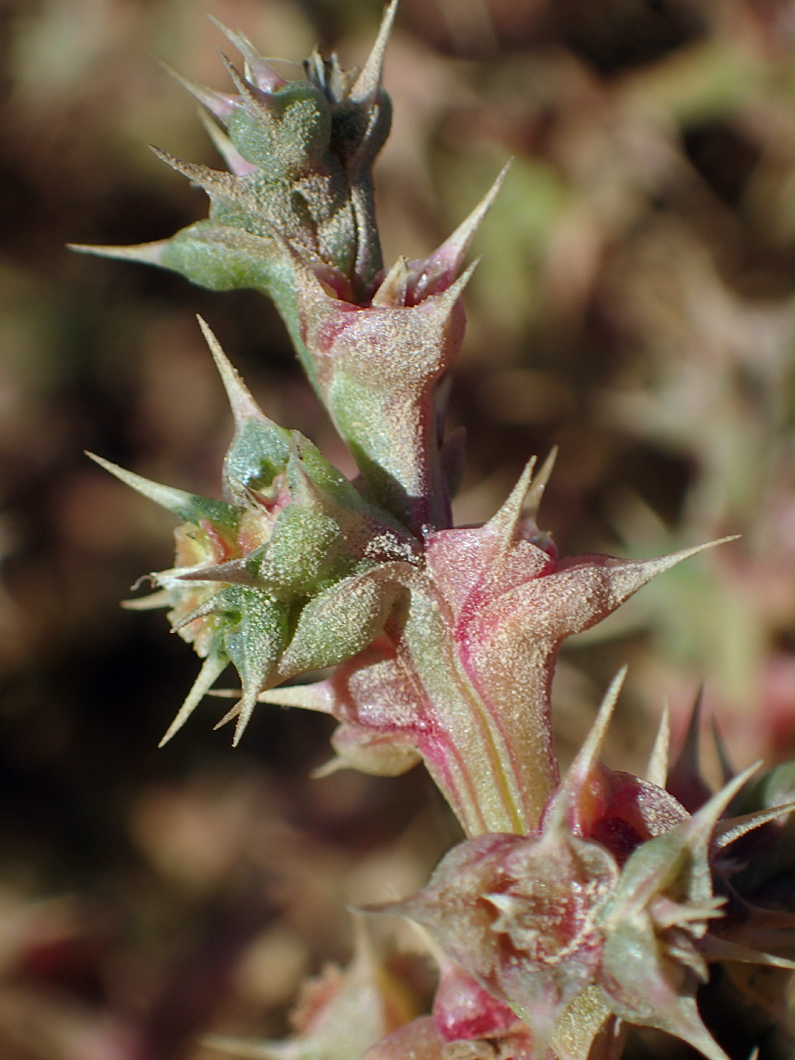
[315, 696]
[667, 562]
[445, 262]
[368, 83]
[596, 738]
[210, 180]
[588, 755]
[252, 97]
[218, 103]
[328, 769]
[685, 780]
[208, 607]
[211, 670]
[657, 769]
[525, 498]
[702, 823]
[245, 709]
[265, 77]
[462, 237]
[243, 405]
[732, 828]
[144, 253]
[455, 290]
[629, 575]
[231, 714]
[688, 1026]
[173, 500]
[506, 520]
[535, 494]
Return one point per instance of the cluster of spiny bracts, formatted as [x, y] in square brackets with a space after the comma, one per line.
[573, 907]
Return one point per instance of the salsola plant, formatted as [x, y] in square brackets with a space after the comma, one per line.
[576, 905]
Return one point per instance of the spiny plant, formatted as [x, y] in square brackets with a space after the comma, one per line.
[574, 905]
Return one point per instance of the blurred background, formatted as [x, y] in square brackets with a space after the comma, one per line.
[635, 306]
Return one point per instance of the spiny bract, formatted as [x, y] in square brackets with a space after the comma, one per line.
[571, 906]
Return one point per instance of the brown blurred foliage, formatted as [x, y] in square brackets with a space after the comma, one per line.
[635, 305]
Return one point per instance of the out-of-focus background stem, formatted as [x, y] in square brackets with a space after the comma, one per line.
[635, 305]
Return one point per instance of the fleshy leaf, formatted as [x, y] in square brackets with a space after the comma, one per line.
[341, 621]
[377, 369]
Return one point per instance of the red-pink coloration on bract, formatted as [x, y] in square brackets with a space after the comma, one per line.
[572, 906]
